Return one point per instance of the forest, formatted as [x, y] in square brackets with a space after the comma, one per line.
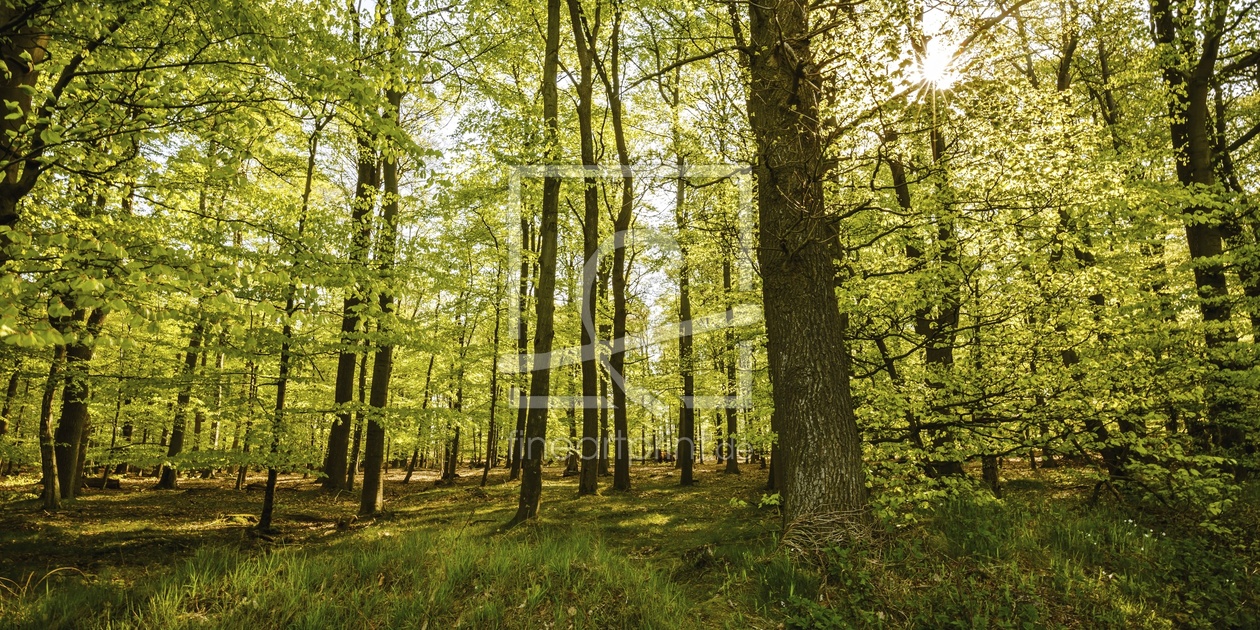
[630, 314]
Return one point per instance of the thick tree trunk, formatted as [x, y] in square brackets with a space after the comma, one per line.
[540, 383]
[372, 498]
[22, 39]
[1189, 87]
[170, 474]
[820, 451]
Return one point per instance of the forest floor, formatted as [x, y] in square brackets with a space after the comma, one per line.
[658, 556]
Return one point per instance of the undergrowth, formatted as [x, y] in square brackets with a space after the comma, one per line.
[669, 558]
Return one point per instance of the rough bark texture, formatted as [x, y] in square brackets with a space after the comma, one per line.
[824, 481]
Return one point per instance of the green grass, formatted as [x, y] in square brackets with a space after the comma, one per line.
[664, 557]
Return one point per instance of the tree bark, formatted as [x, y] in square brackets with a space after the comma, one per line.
[588, 480]
[522, 343]
[10, 393]
[686, 360]
[358, 423]
[286, 334]
[51, 495]
[611, 77]
[540, 383]
[1189, 84]
[732, 386]
[72, 427]
[176, 445]
[335, 469]
[824, 481]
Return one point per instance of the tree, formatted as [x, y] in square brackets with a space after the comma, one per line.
[544, 292]
[823, 474]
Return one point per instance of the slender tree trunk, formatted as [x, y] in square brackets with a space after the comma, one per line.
[337, 476]
[176, 445]
[732, 386]
[611, 77]
[372, 497]
[72, 426]
[686, 360]
[820, 451]
[605, 331]
[522, 343]
[252, 400]
[358, 423]
[424, 405]
[286, 342]
[209, 471]
[10, 394]
[588, 481]
[540, 383]
[492, 434]
[51, 495]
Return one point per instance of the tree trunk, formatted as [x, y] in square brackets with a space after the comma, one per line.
[22, 39]
[10, 393]
[424, 404]
[372, 498]
[492, 434]
[732, 386]
[51, 495]
[820, 451]
[611, 77]
[358, 423]
[176, 445]
[337, 475]
[686, 367]
[71, 428]
[588, 481]
[540, 383]
[286, 334]
[1189, 83]
[522, 343]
